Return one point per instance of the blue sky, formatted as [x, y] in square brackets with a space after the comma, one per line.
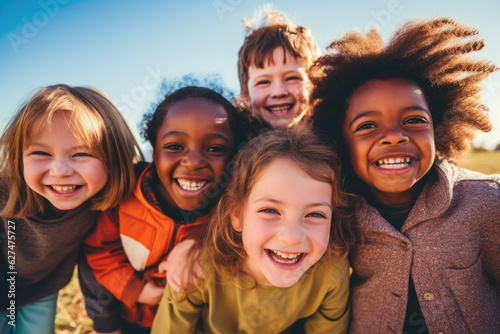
[124, 48]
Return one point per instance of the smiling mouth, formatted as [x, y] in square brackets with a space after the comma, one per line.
[65, 189]
[282, 257]
[191, 185]
[281, 109]
[394, 163]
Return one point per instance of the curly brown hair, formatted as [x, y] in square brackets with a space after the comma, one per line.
[431, 53]
[222, 245]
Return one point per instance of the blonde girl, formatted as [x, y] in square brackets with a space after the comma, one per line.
[66, 155]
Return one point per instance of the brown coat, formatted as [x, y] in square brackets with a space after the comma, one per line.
[450, 243]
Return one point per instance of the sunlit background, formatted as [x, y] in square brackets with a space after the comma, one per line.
[125, 48]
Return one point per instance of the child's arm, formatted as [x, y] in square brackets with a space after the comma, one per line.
[175, 266]
[102, 307]
[107, 258]
[175, 316]
[333, 314]
[150, 294]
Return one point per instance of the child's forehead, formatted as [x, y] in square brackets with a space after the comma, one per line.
[278, 56]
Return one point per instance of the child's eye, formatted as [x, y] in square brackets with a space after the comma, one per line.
[293, 78]
[216, 149]
[365, 126]
[82, 154]
[173, 147]
[316, 215]
[262, 82]
[40, 153]
[268, 210]
[416, 120]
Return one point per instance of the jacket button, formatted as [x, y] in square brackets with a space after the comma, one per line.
[405, 245]
[428, 296]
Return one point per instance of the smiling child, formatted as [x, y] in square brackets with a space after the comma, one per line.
[268, 252]
[194, 133]
[402, 116]
[66, 155]
[272, 67]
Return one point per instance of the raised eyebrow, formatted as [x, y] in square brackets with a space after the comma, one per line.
[364, 114]
[267, 199]
[293, 72]
[184, 134]
[173, 133]
[44, 146]
[319, 204]
[410, 108]
[310, 205]
[221, 136]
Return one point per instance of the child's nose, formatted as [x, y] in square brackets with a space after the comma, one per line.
[291, 232]
[60, 168]
[193, 160]
[394, 136]
[279, 90]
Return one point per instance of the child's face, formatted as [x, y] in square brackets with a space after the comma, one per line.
[278, 92]
[285, 224]
[389, 133]
[193, 146]
[59, 168]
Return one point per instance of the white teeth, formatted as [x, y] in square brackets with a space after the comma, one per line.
[288, 258]
[279, 109]
[394, 163]
[191, 185]
[64, 189]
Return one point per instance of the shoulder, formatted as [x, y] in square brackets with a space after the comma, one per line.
[333, 269]
[466, 179]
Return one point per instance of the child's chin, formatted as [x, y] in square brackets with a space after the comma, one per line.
[281, 123]
[285, 283]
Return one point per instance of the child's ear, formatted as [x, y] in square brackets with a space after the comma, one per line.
[246, 101]
[235, 221]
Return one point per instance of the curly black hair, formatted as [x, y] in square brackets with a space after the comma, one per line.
[431, 53]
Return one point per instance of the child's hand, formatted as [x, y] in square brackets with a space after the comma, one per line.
[175, 266]
[150, 294]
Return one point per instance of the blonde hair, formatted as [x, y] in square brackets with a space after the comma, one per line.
[97, 124]
[222, 245]
[267, 30]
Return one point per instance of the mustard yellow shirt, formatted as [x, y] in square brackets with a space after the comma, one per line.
[321, 296]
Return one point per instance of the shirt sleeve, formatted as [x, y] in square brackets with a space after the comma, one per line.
[333, 314]
[176, 316]
[101, 306]
[108, 260]
[490, 235]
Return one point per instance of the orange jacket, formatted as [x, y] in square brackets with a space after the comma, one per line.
[127, 245]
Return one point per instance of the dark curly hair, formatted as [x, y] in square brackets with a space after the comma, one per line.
[431, 53]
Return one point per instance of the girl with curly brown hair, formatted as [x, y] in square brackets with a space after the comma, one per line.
[402, 115]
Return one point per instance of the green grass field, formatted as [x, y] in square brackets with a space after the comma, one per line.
[71, 316]
[484, 162]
